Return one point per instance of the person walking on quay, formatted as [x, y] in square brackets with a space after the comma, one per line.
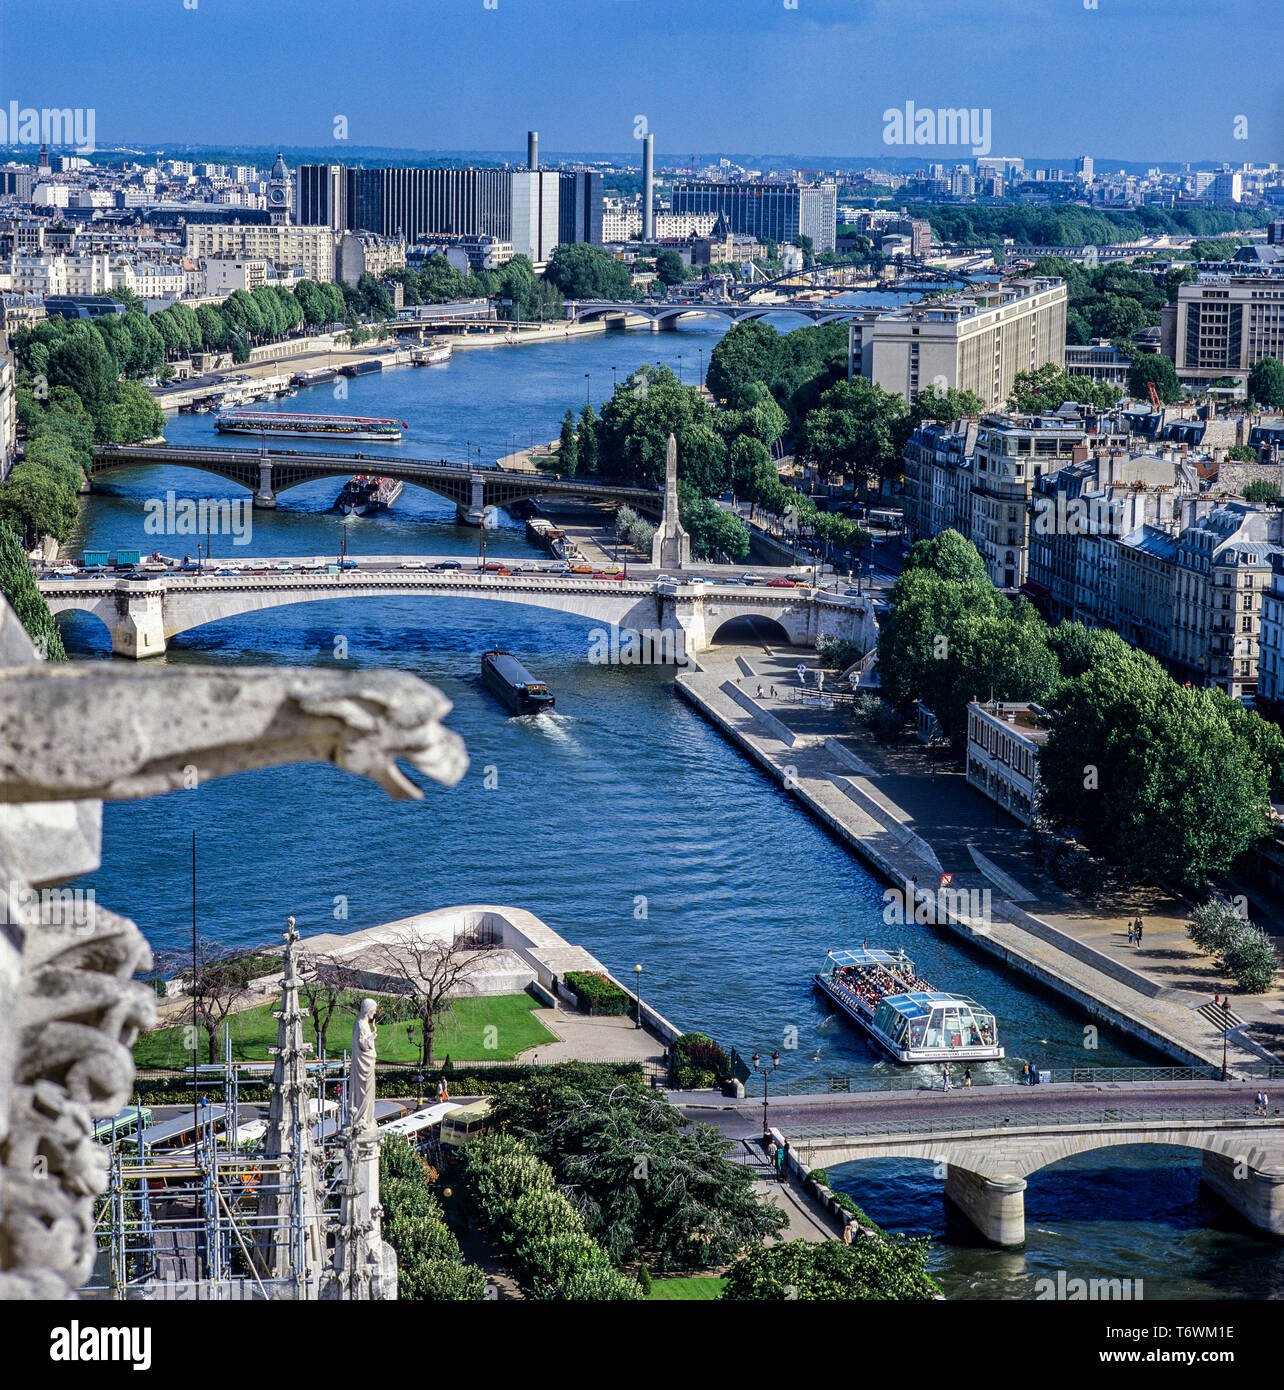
[1132, 930]
[760, 690]
[1139, 926]
[945, 1078]
[771, 1154]
[967, 1078]
[847, 1231]
[1025, 1073]
[1034, 1073]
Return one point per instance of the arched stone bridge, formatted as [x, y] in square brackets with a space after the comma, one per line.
[667, 312]
[269, 471]
[668, 619]
[989, 1143]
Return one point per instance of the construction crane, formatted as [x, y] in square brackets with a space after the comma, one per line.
[1154, 398]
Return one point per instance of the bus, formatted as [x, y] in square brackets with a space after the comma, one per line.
[129, 1119]
[421, 1126]
[465, 1123]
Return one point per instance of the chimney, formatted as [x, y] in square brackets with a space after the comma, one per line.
[532, 150]
[648, 187]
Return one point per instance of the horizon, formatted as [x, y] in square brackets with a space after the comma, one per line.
[683, 75]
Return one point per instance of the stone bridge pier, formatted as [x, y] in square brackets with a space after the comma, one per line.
[136, 623]
[995, 1206]
[474, 513]
[265, 494]
[1254, 1190]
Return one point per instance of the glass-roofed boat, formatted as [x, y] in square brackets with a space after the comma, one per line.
[911, 1019]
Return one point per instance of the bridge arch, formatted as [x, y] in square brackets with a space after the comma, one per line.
[751, 627]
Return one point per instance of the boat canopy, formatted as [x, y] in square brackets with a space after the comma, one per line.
[869, 956]
[933, 1019]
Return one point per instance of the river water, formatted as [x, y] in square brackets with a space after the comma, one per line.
[623, 820]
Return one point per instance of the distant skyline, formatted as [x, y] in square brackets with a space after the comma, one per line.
[1124, 82]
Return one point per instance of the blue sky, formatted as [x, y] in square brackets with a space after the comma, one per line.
[1128, 79]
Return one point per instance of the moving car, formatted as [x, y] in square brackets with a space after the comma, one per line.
[448, 565]
[780, 582]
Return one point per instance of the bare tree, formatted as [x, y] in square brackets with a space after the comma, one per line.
[323, 981]
[431, 974]
[216, 983]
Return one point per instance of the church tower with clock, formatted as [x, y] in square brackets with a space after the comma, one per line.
[279, 199]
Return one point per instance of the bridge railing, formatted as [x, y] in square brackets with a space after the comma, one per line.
[841, 1083]
[1021, 1119]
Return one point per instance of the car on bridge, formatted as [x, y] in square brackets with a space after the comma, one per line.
[343, 565]
[780, 582]
[751, 579]
[448, 565]
[227, 574]
[414, 565]
[608, 574]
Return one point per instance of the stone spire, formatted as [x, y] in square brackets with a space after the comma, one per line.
[290, 1240]
[671, 547]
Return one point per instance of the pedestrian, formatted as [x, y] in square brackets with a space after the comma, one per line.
[1034, 1073]
[1266, 1103]
[760, 690]
[1139, 928]
[1025, 1073]
[773, 692]
[771, 1153]
[1131, 932]
[784, 1161]
[967, 1078]
[945, 1078]
[535, 1060]
[847, 1233]
[1217, 1000]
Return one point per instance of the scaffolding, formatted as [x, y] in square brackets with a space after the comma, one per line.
[239, 1211]
[186, 1223]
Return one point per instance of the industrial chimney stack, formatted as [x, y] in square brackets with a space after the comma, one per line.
[648, 187]
[532, 150]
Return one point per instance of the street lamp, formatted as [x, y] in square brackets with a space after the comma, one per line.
[679, 367]
[612, 380]
[701, 380]
[637, 971]
[587, 386]
[1226, 1022]
[766, 1071]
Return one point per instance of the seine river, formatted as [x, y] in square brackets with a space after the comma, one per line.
[623, 820]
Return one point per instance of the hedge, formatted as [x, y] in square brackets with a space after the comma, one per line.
[699, 1063]
[545, 1245]
[595, 994]
[430, 1266]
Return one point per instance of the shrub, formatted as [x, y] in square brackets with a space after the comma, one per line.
[883, 720]
[1240, 948]
[430, 1266]
[595, 994]
[699, 1063]
[838, 653]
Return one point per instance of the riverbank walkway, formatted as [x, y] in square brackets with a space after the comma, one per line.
[910, 813]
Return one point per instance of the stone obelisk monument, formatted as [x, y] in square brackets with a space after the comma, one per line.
[364, 1265]
[671, 546]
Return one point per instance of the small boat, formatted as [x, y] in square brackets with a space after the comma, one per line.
[514, 684]
[431, 355]
[363, 368]
[367, 493]
[907, 1017]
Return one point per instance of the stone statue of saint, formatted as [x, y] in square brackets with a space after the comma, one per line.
[363, 1068]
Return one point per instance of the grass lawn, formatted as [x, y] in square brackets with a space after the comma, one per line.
[464, 1035]
[700, 1288]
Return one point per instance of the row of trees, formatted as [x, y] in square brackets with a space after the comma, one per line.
[1170, 782]
[519, 293]
[1076, 225]
[431, 1268]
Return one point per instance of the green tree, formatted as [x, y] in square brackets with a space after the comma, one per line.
[670, 268]
[854, 430]
[36, 502]
[635, 427]
[582, 271]
[714, 531]
[81, 361]
[18, 585]
[830, 1271]
[568, 448]
[134, 415]
[1262, 491]
[1049, 387]
[1168, 781]
[1154, 368]
[587, 452]
[1266, 383]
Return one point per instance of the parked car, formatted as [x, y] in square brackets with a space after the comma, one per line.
[780, 582]
[344, 565]
[283, 567]
[448, 565]
[751, 578]
[227, 574]
[413, 565]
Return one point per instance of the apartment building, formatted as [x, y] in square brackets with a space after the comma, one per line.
[976, 341]
[1012, 453]
[1079, 515]
[312, 249]
[1003, 742]
[1224, 565]
[938, 462]
[1145, 588]
[364, 253]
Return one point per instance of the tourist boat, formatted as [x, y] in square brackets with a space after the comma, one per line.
[368, 493]
[915, 1022]
[514, 684]
[432, 354]
[289, 423]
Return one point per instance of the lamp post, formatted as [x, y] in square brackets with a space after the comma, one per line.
[759, 1065]
[587, 386]
[679, 368]
[700, 382]
[613, 380]
[637, 971]
[1226, 1019]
